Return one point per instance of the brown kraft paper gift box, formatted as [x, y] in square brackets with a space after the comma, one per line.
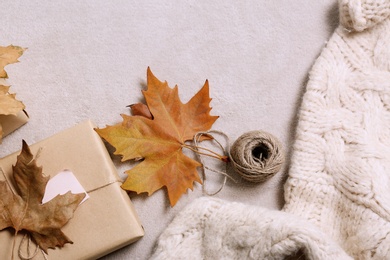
[102, 224]
[10, 123]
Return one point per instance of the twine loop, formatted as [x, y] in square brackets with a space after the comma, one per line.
[257, 156]
[29, 256]
[197, 138]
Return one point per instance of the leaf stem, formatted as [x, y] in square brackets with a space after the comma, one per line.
[13, 245]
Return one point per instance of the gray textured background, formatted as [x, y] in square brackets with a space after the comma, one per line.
[88, 59]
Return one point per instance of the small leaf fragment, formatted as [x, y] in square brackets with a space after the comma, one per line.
[9, 55]
[140, 109]
[9, 105]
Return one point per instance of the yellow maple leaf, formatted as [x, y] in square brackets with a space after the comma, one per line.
[9, 55]
[9, 105]
[159, 140]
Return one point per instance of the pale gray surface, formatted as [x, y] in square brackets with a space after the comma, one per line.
[88, 59]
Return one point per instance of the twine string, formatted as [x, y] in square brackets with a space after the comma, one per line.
[28, 257]
[103, 186]
[196, 140]
[257, 156]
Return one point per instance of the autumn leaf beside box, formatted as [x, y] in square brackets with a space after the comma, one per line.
[12, 114]
[104, 223]
[155, 134]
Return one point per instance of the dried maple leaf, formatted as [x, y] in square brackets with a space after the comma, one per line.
[25, 211]
[8, 55]
[159, 141]
[8, 103]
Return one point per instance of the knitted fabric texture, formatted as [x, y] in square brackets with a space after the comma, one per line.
[358, 15]
[339, 177]
[215, 229]
[338, 190]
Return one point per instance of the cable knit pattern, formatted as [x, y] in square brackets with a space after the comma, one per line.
[215, 229]
[338, 189]
[359, 15]
[340, 173]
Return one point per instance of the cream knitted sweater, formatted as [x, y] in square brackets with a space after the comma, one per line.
[338, 190]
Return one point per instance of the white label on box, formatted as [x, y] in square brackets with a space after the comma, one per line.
[62, 183]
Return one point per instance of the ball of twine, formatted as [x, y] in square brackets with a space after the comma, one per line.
[257, 156]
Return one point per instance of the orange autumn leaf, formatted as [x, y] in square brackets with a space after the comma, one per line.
[23, 209]
[159, 141]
